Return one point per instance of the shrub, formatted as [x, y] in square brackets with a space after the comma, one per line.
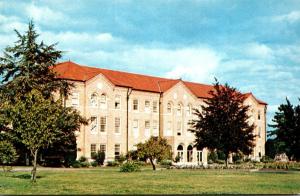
[213, 156]
[85, 164]
[76, 164]
[82, 159]
[129, 167]
[238, 162]
[99, 157]
[221, 155]
[266, 159]
[132, 155]
[177, 159]
[220, 161]
[237, 157]
[210, 161]
[94, 163]
[8, 155]
[166, 163]
[121, 159]
[112, 163]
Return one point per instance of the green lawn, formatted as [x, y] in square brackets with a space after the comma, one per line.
[111, 181]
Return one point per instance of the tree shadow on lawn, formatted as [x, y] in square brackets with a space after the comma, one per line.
[25, 176]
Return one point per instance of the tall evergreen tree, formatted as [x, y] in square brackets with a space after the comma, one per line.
[223, 122]
[27, 102]
[27, 65]
[287, 130]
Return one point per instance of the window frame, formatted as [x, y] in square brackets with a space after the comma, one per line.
[135, 105]
[103, 125]
[117, 105]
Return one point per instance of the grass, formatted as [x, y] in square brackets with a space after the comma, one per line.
[111, 181]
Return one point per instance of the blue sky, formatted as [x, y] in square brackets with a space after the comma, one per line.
[252, 45]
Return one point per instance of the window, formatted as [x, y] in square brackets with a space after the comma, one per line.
[189, 109]
[135, 104]
[117, 151]
[169, 108]
[258, 115]
[190, 153]
[103, 101]
[94, 124]
[117, 125]
[102, 124]
[117, 102]
[102, 148]
[147, 124]
[75, 99]
[94, 100]
[147, 128]
[199, 155]
[147, 106]
[259, 132]
[179, 109]
[169, 129]
[154, 107]
[93, 149]
[179, 128]
[135, 126]
[155, 128]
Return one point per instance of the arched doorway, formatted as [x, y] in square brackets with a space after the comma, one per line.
[180, 152]
[190, 153]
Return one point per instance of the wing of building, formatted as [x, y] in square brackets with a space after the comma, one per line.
[126, 108]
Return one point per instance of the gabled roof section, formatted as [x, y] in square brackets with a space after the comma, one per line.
[71, 71]
[258, 100]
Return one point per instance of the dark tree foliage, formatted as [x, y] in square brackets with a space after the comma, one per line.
[286, 131]
[223, 122]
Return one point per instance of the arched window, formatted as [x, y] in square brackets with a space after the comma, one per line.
[103, 101]
[180, 152]
[94, 100]
[190, 153]
[189, 109]
[169, 108]
[179, 109]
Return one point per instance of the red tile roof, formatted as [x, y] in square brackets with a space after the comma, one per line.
[72, 71]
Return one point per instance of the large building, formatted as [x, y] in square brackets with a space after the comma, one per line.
[125, 109]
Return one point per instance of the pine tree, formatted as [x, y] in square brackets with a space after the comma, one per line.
[223, 122]
[287, 130]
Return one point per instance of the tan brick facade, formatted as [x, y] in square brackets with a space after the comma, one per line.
[112, 108]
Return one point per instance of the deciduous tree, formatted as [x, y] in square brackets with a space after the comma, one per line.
[35, 117]
[223, 122]
[156, 148]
